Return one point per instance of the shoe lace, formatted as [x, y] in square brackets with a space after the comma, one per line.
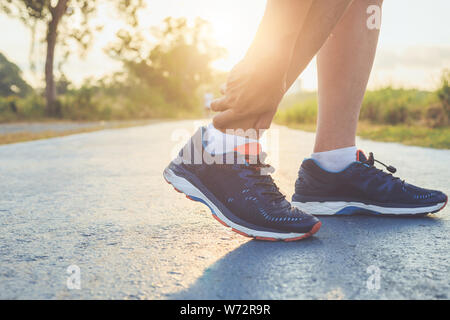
[264, 179]
[371, 162]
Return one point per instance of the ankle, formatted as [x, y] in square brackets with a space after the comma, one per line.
[219, 142]
[337, 159]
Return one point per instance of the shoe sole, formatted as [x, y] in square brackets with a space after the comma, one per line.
[328, 208]
[182, 185]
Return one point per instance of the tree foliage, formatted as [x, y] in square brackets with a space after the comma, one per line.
[178, 64]
[11, 81]
[66, 22]
[165, 71]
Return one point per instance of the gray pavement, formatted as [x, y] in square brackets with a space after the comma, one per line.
[98, 201]
[36, 127]
[64, 126]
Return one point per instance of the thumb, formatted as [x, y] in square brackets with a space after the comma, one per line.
[223, 88]
[220, 104]
[225, 119]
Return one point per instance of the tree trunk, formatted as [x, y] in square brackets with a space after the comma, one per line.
[50, 89]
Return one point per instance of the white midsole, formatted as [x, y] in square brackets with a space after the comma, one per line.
[187, 188]
[332, 207]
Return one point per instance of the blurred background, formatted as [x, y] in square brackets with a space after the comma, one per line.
[122, 62]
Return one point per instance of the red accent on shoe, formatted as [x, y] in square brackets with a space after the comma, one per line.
[266, 239]
[314, 229]
[241, 233]
[217, 218]
[446, 201]
[357, 154]
[249, 149]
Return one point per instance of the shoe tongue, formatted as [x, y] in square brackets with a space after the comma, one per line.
[253, 152]
[360, 156]
[249, 149]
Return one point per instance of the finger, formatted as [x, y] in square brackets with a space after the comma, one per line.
[223, 88]
[220, 104]
[264, 120]
[227, 119]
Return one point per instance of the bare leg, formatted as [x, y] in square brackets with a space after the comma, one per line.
[256, 85]
[344, 64]
[258, 82]
[311, 38]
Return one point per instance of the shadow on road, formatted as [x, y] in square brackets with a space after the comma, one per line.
[331, 264]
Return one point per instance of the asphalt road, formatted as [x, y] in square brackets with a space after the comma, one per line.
[98, 201]
[64, 126]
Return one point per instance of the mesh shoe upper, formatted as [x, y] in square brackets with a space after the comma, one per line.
[242, 187]
[360, 181]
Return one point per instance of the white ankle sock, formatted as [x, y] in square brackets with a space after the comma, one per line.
[335, 160]
[218, 142]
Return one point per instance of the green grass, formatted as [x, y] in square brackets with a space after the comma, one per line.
[410, 135]
[438, 138]
[407, 116]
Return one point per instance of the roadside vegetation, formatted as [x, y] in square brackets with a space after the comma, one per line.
[409, 116]
[167, 81]
[166, 73]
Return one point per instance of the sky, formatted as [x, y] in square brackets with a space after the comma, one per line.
[414, 44]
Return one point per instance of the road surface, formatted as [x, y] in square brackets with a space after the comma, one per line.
[63, 126]
[97, 201]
